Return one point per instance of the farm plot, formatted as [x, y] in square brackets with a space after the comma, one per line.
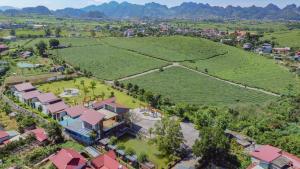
[181, 85]
[248, 69]
[285, 38]
[174, 48]
[107, 62]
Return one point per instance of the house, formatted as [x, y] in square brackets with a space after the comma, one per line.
[10, 38]
[266, 157]
[57, 69]
[101, 104]
[284, 51]
[129, 33]
[68, 159]
[247, 46]
[3, 48]
[44, 99]
[20, 89]
[39, 134]
[57, 110]
[267, 48]
[240, 139]
[25, 54]
[27, 97]
[106, 118]
[107, 161]
[4, 136]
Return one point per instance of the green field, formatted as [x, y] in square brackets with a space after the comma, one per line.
[107, 62]
[174, 48]
[285, 38]
[181, 85]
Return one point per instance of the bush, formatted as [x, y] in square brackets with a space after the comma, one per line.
[143, 157]
[121, 146]
[113, 140]
[129, 151]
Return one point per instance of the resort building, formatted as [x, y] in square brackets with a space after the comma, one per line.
[20, 89]
[68, 159]
[107, 161]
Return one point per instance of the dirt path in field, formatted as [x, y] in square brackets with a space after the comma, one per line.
[232, 83]
[176, 64]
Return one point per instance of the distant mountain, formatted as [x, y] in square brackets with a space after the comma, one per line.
[3, 8]
[191, 10]
[187, 10]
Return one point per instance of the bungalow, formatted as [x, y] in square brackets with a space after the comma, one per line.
[267, 48]
[75, 111]
[4, 136]
[101, 104]
[39, 134]
[10, 38]
[22, 88]
[267, 156]
[107, 161]
[284, 51]
[57, 110]
[25, 54]
[247, 46]
[42, 100]
[3, 48]
[68, 159]
[29, 96]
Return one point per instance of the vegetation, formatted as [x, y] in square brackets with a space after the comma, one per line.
[194, 88]
[285, 38]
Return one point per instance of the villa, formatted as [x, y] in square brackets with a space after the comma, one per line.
[68, 159]
[266, 156]
[107, 160]
[20, 89]
[81, 122]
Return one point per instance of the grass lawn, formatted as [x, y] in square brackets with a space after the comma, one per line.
[6, 122]
[58, 87]
[73, 145]
[140, 146]
[174, 48]
[181, 85]
[107, 62]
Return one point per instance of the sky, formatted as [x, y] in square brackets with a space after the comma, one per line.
[59, 4]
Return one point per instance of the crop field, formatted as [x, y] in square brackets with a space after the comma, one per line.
[285, 38]
[175, 48]
[109, 63]
[194, 88]
[248, 69]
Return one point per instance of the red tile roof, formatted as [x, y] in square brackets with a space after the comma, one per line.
[57, 107]
[47, 97]
[76, 111]
[102, 103]
[68, 159]
[92, 117]
[24, 86]
[40, 134]
[31, 94]
[3, 134]
[266, 153]
[3, 46]
[107, 161]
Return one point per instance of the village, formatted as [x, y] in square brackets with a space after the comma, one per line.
[57, 115]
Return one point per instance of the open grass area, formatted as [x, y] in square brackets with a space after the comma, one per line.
[73, 145]
[58, 87]
[285, 38]
[181, 85]
[174, 48]
[142, 146]
[248, 69]
[107, 62]
[7, 122]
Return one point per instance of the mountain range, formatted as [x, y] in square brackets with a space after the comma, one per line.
[187, 10]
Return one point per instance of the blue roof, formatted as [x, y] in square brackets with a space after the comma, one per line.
[75, 125]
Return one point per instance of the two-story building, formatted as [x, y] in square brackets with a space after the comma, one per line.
[20, 89]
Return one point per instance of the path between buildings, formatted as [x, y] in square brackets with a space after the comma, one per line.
[176, 64]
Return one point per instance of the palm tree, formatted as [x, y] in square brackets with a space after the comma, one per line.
[150, 130]
[102, 95]
[93, 87]
[82, 83]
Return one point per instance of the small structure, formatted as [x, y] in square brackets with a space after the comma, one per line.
[267, 156]
[57, 69]
[247, 46]
[107, 161]
[267, 48]
[68, 159]
[92, 151]
[128, 33]
[10, 38]
[283, 51]
[71, 92]
[20, 89]
[3, 48]
[40, 135]
[25, 54]
[240, 139]
[4, 136]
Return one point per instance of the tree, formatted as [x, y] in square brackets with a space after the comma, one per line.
[47, 32]
[93, 87]
[213, 148]
[85, 91]
[168, 136]
[82, 83]
[41, 48]
[102, 95]
[93, 33]
[143, 157]
[12, 32]
[54, 132]
[53, 43]
[57, 31]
